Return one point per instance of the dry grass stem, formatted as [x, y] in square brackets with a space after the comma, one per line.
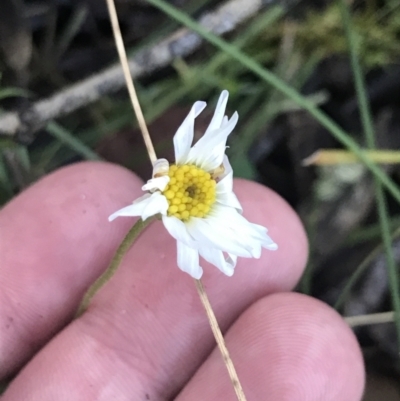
[374, 318]
[331, 157]
[129, 81]
[150, 149]
[220, 341]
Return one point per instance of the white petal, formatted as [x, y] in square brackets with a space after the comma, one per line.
[232, 259]
[219, 113]
[208, 152]
[267, 241]
[132, 210]
[269, 244]
[260, 232]
[225, 195]
[217, 258]
[184, 135]
[147, 205]
[158, 204]
[212, 233]
[159, 183]
[235, 228]
[229, 199]
[237, 232]
[253, 235]
[178, 230]
[227, 168]
[225, 184]
[188, 260]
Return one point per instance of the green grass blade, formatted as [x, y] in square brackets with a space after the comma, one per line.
[368, 128]
[13, 92]
[64, 136]
[71, 30]
[359, 271]
[369, 233]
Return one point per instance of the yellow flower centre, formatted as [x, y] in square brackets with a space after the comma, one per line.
[190, 192]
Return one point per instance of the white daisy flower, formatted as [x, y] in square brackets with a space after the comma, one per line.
[195, 199]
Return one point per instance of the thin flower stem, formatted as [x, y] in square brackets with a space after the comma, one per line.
[220, 341]
[129, 81]
[132, 235]
[373, 318]
[129, 239]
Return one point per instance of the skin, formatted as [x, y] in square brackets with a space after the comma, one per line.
[145, 336]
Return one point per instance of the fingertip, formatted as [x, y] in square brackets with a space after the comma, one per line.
[286, 346]
[307, 341]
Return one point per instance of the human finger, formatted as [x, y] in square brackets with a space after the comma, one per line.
[54, 241]
[150, 304]
[286, 346]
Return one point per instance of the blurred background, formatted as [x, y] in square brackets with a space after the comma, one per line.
[63, 99]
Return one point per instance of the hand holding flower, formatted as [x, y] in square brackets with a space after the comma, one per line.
[145, 335]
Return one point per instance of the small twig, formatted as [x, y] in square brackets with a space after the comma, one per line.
[129, 81]
[374, 318]
[220, 341]
[23, 124]
[129, 239]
